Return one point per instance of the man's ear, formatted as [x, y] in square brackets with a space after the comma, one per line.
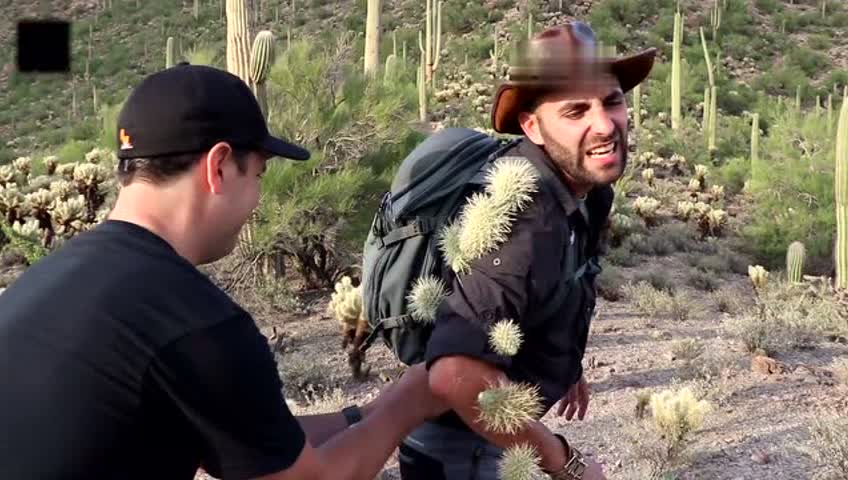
[213, 167]
[530, 124]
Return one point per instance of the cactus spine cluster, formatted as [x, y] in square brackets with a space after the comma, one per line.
[509, 407]
[425, 297]
[841, 191]
[486, 220]
[372, 37]
[261, 58]
[521, 462]
[795, 261]
[505, 337]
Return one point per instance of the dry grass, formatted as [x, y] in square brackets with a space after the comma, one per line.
[830, 446]
[655, 302]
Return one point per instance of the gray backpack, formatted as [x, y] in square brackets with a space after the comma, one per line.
[428, 191]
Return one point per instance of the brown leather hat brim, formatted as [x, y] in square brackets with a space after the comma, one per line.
[511, 97]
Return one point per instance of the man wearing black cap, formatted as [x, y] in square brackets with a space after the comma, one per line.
[119, 358]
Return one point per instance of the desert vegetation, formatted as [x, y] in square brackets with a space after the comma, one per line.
[719, 346]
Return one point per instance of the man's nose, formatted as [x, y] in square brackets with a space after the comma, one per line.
[602, 123]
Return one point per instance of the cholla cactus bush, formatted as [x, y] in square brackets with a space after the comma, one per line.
[758, 275]
[711, 223]
[620, 226]
[508, 407]
[42, 212]
[648, 176]
[646, 208]
[486, 220]
[685, 210]
[676, 414]
[346, 306]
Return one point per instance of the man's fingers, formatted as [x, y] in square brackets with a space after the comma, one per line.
[569, 413]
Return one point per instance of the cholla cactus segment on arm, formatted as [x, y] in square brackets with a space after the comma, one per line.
[521, 462]
[505, 337]
[424, 298]
[511, 183]
[486, 220]
[509, 407]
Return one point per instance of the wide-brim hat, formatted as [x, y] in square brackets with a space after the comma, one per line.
[562, 57]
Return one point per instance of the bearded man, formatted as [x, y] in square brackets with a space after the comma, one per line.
[569, 105]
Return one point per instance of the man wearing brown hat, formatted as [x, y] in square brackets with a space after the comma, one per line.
[568, 102]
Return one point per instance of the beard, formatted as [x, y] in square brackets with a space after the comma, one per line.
[572, 162]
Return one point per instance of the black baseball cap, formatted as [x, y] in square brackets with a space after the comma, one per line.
[189, 108]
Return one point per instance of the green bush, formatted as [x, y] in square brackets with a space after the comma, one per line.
[792, 189]
[316, 213]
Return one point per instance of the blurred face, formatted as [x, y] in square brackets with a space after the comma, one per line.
[584, 131]
[237, 196]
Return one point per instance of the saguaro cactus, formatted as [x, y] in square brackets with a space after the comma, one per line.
[238, 39]
[795, 261]
[372, 37]
[261, 58]
[431, 49]
[755, 140]
[675, 71]
[170, 53]
[841, 180]
[637, 106]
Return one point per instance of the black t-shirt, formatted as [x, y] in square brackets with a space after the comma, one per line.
[119, 359]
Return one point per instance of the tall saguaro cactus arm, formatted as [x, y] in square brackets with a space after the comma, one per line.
[431, 45]
[841, 199]
[238, 38]
[262, 56]
[675, 71]
[372, 37]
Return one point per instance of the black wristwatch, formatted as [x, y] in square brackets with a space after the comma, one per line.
[352, 414]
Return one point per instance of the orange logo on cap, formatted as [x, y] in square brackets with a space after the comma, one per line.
[125, 140]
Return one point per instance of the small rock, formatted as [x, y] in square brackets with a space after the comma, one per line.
[760, 457]
[766, 365]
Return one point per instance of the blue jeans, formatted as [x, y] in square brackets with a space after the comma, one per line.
[437, 452]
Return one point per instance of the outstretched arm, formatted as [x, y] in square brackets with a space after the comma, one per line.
[458, 380]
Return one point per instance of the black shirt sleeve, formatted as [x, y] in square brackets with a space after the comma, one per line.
[500, 286]
[223, 380]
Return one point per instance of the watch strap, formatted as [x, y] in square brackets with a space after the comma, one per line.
[352, 414]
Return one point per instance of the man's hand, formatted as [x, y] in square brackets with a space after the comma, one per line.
[593, 471]
[575, 400]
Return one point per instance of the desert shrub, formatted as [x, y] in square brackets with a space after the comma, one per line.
[733, 174]
[702, 280]
[652, 301]
[809, 61]
[792, 188]
[767, 6]
[609, 283]
[709, 263]
[829, 435]
[657, 279]
[623, 256]
[315, 213]
[840, 370]
[787, 316]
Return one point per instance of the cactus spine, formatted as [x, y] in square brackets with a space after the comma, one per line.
[675, 71]
[238, 39]
[432, 49]
[372, 37]
[170, 53]
[795, 261]
[261, 58]
[842, 195]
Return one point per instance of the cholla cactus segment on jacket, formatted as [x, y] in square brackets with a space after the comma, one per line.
[505, 337]
[425, 297]
[509, 407]
[486, 220]
[521, 462]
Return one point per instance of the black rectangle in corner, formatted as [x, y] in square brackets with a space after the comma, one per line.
[44, 46]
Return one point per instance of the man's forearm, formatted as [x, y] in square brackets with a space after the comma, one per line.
[360, 451]
[460, 380]
[320, 428]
